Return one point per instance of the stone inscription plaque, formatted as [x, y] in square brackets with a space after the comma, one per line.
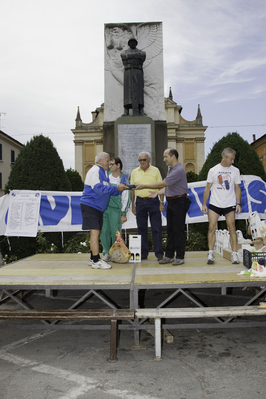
[133, 139]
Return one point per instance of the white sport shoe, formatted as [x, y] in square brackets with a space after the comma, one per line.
[101, 264]
[106, 257]
[235, 259]
[210, 259]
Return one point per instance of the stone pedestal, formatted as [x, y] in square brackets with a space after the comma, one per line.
[109, 138]
[128, 136]
[160, 146]
[132, 136]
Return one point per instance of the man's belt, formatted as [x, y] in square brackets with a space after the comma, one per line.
[176, 196]
[145, 197]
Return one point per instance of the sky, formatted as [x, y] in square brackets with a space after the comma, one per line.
[52, 61]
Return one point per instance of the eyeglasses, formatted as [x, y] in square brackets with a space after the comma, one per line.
[142, 160]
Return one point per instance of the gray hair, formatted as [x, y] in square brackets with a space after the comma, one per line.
[101, 156]
[228, 151]
[145, 152]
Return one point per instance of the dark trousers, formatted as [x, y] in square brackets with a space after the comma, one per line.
[176, 218]
[149, 207]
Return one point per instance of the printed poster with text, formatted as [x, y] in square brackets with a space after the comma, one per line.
[23, 214]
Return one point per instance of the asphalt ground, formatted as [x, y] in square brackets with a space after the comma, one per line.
[72, 364]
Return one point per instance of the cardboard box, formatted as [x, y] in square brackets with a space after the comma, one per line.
[258, 243]
[135, 248]
[244, 245]
[227, 253]
[240, 248]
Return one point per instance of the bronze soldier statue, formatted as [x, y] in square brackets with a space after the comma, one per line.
[133, 60]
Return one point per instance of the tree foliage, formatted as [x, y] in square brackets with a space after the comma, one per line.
[247, 160]
[38, 167]
[75, 180]
[192, 177]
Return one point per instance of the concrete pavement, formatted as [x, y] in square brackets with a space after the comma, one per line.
[71, 364]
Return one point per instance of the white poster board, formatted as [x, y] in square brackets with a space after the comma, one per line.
[23, 214]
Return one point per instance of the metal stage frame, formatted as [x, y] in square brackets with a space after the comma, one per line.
[64, 274]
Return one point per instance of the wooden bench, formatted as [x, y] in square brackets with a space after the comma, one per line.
[77, 315]
[184, 313]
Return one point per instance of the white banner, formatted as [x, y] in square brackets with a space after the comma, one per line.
[60, 211]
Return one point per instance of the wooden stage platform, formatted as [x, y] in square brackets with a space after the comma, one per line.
[60, 271]
[53, 273]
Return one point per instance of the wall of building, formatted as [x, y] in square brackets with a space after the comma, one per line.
[187, 137]
[260, 148]
[9, 150]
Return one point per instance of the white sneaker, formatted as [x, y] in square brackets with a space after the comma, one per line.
[210, 259]
[235, 259]
[90, 262]
[101, 264]
[106, 257]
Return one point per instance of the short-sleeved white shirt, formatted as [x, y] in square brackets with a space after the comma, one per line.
[223, 185]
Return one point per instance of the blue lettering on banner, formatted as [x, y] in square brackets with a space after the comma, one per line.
[244, 200]
[76, 217]
[165, 209]
[51, 217]
[257, 191]
[195, 209]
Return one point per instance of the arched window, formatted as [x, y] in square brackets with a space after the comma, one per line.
[190, 167]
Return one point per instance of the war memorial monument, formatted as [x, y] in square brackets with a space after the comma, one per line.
[134, 117]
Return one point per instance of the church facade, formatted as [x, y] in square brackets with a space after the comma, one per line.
[187, 137]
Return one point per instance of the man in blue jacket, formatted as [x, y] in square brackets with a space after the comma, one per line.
[94, 201]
